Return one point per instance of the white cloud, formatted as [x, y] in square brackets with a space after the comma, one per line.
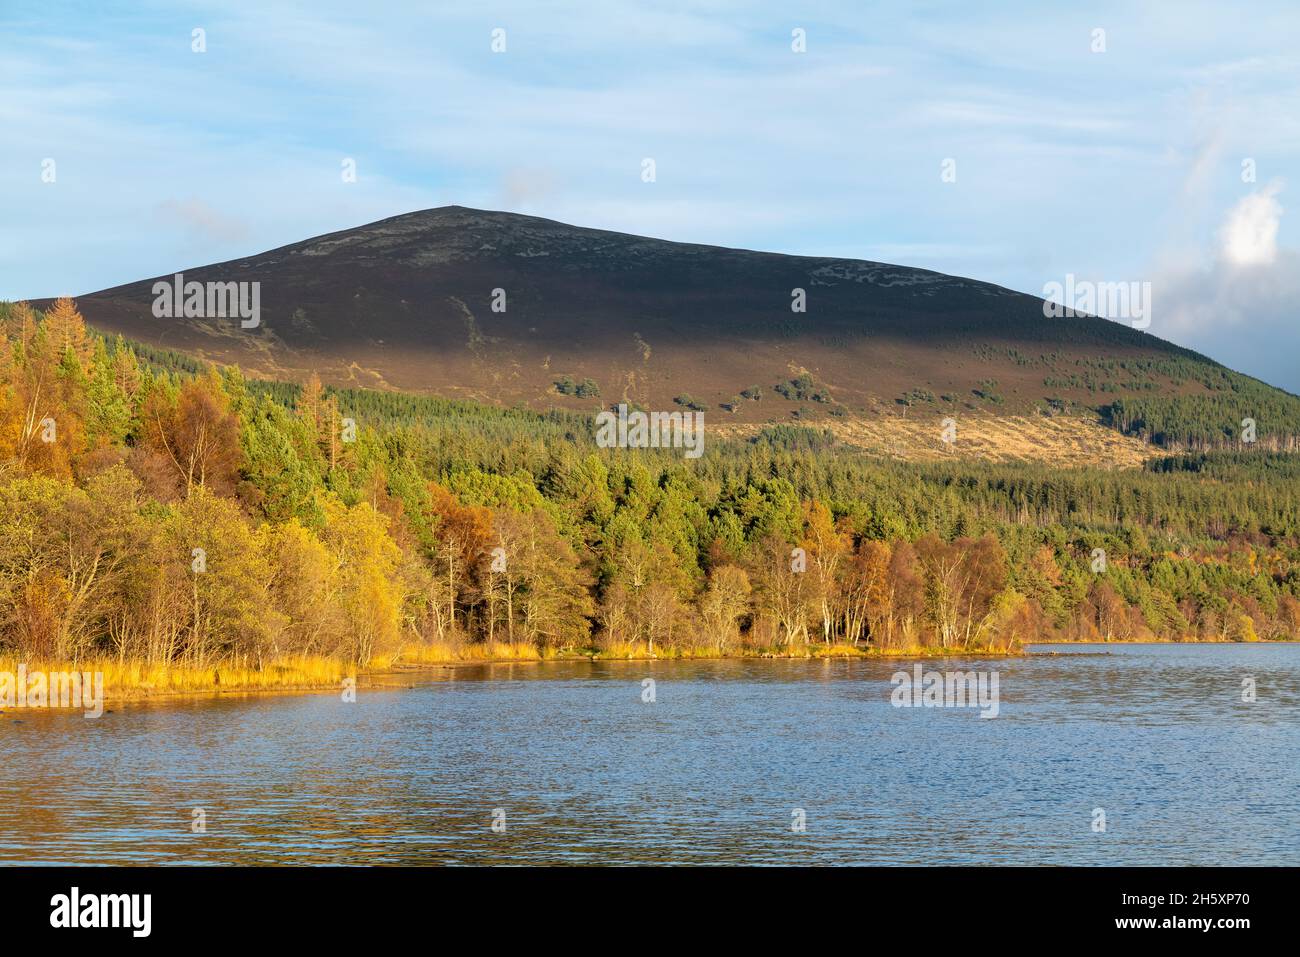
[1243, 307]
[1249, 236]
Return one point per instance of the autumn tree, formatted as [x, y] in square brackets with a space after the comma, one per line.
[961, 578]
[649, 588]
[66, 330]
[369, 585]
[867, 597]
[1111, 610]
[463, 539]
[320, 413]
[826, 546]
[194, 430]
[784, 594]
[306, 584]
[550, 601]
[228, 572]
[45, 402]
[723, 604]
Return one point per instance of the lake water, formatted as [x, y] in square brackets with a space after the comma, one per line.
[712, 772]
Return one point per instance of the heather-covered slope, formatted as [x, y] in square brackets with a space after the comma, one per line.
[593, 317]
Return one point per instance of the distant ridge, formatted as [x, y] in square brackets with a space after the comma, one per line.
[407, 303]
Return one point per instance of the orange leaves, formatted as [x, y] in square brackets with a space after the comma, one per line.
[66, 330]
[197, 434]
[40, 612]
[321, 414]
[1044, 564]
[467, 528]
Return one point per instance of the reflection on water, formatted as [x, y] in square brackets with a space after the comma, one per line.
[710, 773]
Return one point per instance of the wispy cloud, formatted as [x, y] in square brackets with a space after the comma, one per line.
[201, 221]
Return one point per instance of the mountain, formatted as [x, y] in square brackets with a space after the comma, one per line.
[881, 352]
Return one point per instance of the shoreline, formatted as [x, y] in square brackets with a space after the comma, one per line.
[131, 683]
[136, 683]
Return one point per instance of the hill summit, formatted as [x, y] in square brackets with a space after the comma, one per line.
[512, 309]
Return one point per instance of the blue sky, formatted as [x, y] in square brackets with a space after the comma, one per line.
[1122, 165]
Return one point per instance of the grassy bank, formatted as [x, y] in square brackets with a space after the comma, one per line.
[127, 680]
[133, 681]
[439, 653]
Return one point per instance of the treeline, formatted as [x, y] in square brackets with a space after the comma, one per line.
[1237, 417]
[166, 512]
[1195, 404]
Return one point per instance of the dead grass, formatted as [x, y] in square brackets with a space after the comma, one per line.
[1059, 440]
[436, 653]
[127, 681]
[638, 652]
[136, 680]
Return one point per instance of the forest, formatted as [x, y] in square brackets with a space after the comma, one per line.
[160, 510]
